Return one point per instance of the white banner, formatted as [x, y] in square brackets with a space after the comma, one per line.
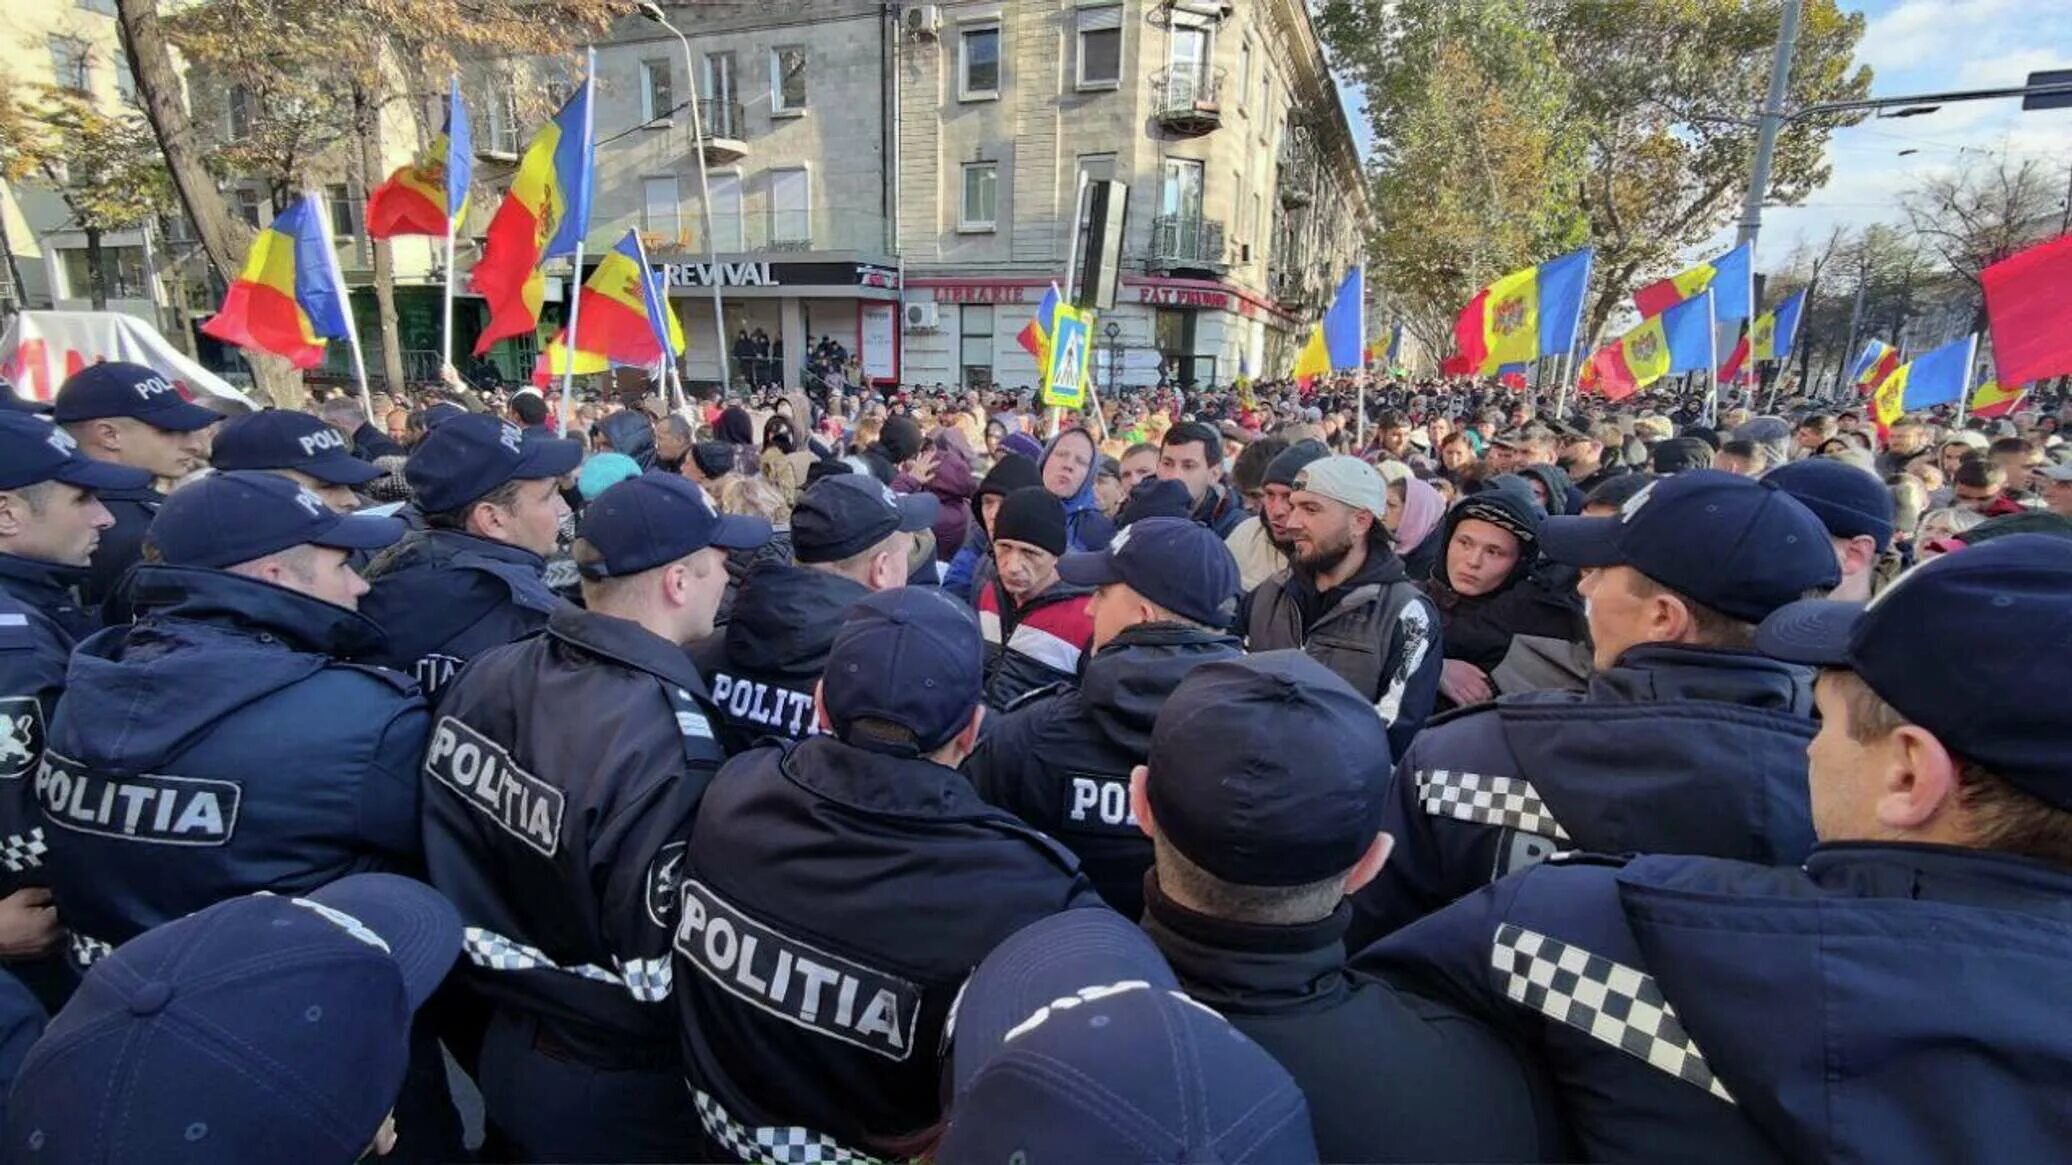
[876, 325]
[42, 348]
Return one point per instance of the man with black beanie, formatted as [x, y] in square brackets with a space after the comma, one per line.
[972, 565]
[1036, 625]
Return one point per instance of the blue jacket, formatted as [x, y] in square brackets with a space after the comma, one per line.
[218, 747]
[120, 547]
[560, 848]
[41, 620]
[1884, 1003]
[963, 573]
[1671, 750]
[443, 597]
[1061, 760]
[1086, 527]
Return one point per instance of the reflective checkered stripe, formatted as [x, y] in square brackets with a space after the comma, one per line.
[773, 1146]
[1607, 1001]
[1503, 801]
[87, 951]
[23, 851]
[647, 980]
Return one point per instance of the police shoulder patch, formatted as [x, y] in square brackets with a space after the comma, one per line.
[21, 736]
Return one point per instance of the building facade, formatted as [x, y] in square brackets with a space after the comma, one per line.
[1246, 203]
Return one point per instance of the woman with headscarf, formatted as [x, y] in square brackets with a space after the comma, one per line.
[1068, 473]
[1490, 588]
[1415, 513]
[778, 444]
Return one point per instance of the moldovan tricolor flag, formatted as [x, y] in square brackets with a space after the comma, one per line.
[1315, 358]
[1873, 366]
[546, 213]
[423, 197]
[2029, 309]
[1937, 377]
[286, 300]
[1035, 335]
[1731, 278]
[1678, 340]
[1991, 400]
[1775, 329]
[624, 318]
[1521, 317]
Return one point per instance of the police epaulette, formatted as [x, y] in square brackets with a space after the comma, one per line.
[1577, 857]
[17, 632]
[394, 679]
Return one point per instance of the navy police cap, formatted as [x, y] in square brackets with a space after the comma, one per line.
[239, 515]
[466, 457]
[655, 519]
[119, 389]
[284, 439]
[33, 450]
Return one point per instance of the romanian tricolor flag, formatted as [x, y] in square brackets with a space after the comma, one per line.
[1775, 329]
[287, 300]
[1991, 400]
[622, 319]
[1678, 340]
[546, 213]
[1731, 279]
[1521, 317]
[431, 196]
[1871, 368]
[1936, 377]
[1035, 335]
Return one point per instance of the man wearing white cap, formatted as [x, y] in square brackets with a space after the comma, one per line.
[1346, 601]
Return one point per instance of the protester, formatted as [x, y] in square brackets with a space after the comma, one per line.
[863, 864]
[577, 1062]
[972, 564]
[1163, 593]
[944, 473]
[1699, 741]
[1491, 587]
[1345, 599]
[1192, 454]
[850, 537]
[2056, 488]
[1067, 469]
[262, 1028]
[130, 415]
[1415, 520]
[473, 579]
[1036, 624]
[1137, 464]
[1939, 886]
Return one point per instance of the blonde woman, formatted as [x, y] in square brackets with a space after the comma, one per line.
[753, 495]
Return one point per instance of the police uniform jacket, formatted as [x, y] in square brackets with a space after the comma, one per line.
[1390, 1076]
[218, 747]
[1673, 749]
[1061, 760]
[833, 901]
[559, 786]
[1881, 1003]
[764, 664]
[41, 619]
[444, 597]
[120, 546]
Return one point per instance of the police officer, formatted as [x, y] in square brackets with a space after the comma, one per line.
[134, 416]
[1061, 759]
[50, 522]
[837, 891]
[1258, 845]
[296, 446]
[1686, 740]
[561, 847]
[473, 579]
[1711, 1010]
[850, 535]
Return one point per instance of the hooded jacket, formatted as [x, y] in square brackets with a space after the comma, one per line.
[1061, 759]
[1537, 598]
[1673, 749]
[633, 434]
[763, 665]
[954, 486]
[443, 597]
[220, 746]
[41, 620]
[120, 547]
[1086, 527]
[972, 563]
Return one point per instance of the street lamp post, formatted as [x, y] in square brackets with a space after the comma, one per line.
[690, 72]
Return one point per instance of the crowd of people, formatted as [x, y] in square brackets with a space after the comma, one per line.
[1372, 770]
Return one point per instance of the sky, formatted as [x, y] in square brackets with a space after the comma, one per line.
[1918, 46]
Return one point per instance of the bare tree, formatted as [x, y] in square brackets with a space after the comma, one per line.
[1977, 215]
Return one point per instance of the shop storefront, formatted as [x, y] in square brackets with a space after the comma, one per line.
[783, 305]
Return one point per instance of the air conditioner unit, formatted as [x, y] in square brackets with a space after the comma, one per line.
[923, 316]
[924, 20]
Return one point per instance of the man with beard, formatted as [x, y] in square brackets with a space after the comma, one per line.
[1261, 544]
[1345, 599]
[1490, 589]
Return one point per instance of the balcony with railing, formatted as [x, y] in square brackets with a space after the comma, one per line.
[1297, 166]
[1186, 98]
[722, 130]
[1184, 242]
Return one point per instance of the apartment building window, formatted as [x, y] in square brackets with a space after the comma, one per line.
[103, 7]
[726, 211]
[722, 96]
[1097, 167]
[71, 63]
[979, 207]
[659, 214]
[978, 63]
[1258, 235]
[503, 122]
[125, 83]
[248, 205]
[1192, 50]
[1100, 47]
[1181, 191]
[788, 79]
[791, 201]
[975, 343]
[339, 197]
[656, 98]
[1244, 73]
[1244, 207]
[238, 113]
[121, 267]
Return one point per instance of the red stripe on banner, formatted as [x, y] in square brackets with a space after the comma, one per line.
[257, 316]
[508, 275]
[610, 329]
[396, 208]
[1615, 380]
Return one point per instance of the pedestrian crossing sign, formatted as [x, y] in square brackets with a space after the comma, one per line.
[1071, 343]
